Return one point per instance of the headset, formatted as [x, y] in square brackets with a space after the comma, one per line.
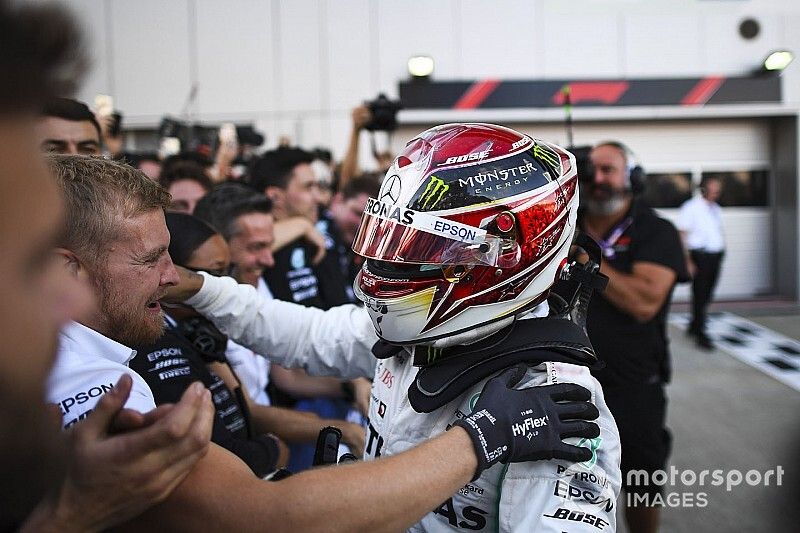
[635, 171]
[209, 341]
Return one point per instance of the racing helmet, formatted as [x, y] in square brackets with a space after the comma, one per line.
[472, 225]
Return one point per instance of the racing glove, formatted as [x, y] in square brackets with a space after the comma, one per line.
[512, 426]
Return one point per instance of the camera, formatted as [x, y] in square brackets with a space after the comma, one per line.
[384, 113]
[248, 135]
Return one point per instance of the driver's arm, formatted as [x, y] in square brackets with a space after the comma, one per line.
[221, 494]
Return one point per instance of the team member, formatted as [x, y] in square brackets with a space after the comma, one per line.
[700, 224]
[68, 126]
[183, 353]
[187, 183]
[627, 323]
[339, 223]
[192, 348]
[482, 233]
[246, 217]
[130, 275]
[286, 178]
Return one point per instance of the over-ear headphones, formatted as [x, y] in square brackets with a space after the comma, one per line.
[209, 341]
[635, 172]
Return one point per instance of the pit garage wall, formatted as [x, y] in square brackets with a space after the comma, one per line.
[784, 142]
[754, 265]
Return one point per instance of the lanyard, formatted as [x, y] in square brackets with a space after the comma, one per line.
[607, 245]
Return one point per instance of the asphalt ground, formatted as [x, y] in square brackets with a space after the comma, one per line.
[726, 415]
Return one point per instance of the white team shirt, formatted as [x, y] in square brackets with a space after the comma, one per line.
[251, 368]
[87, 366]
[702, 222]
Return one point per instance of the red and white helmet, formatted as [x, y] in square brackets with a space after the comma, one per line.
[471, 226]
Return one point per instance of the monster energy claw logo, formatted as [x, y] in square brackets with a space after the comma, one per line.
[433, 193]
[547, 156]
[433, 353]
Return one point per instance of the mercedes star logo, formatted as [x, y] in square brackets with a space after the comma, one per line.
[390, 190]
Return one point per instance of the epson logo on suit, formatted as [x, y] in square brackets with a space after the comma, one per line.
[83, 396]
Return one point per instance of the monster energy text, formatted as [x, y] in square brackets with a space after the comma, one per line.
[497, 179]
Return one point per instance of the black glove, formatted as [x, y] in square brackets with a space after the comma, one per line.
[512, 426]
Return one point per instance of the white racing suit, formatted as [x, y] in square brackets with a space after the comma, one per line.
[551, 495]
[533, 496]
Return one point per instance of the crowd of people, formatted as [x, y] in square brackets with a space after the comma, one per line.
[199, 320]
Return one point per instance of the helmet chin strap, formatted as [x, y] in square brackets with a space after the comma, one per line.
[472, 335]
[479, 333]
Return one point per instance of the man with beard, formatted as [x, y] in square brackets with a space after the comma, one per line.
[122, 253]
[117, 240]
[643, 259]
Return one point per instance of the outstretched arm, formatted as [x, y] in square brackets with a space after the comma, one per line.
[222, 495]
[335, 342]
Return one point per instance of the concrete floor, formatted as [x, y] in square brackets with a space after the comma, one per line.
[726, 415]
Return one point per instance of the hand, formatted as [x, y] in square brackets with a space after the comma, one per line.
[189, 284]
[361, 117]
[315, 237]
[227, 151]
[113, 143]
[362, 388]
[511, 426]
[353, 435]
[114, 477]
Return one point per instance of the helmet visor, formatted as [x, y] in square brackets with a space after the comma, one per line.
[394, 233]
